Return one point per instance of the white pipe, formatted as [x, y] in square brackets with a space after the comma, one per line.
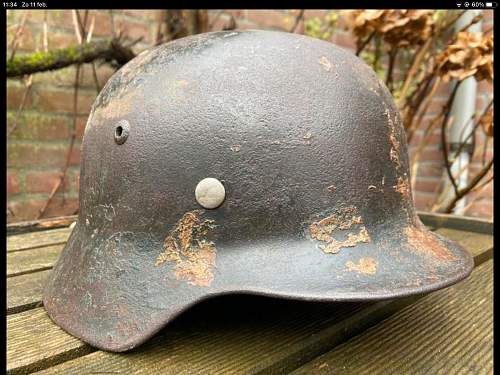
[462, 110]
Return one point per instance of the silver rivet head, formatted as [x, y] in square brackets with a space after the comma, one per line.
[210, 193]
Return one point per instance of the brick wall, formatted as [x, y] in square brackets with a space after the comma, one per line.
[38, 148]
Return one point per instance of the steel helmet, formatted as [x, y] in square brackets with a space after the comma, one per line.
[250, 162]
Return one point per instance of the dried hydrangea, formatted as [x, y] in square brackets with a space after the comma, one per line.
[398, 27]
[470, 55]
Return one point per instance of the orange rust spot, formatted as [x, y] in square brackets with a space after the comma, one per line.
[327, 65]
[187, 246]
[342, 219]
[395, 146]
[403, 187]
[365, 265]
[422, 241]
[331, 188]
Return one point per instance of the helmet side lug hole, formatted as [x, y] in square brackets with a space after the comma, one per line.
[122, 130]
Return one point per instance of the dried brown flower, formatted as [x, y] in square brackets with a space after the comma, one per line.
[398, 27]
[470, 55]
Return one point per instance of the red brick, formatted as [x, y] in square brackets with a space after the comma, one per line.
[38, 127]
[431, 154]
[237, 13]
[60, 40]
[221, 22]
[81, 123]
[483, 208]
[23, 210]
[430, 170]
[245, 25]
[141, 14]
[345, 41]
[432, 139]
[75, 155]
[62, 101]
[60, 207]
[134, 30]
[26, 40]
[103, 25]
[443, 90]
[485, 86]
[44, 182]
[13, 183]
[15, 96]
[21, 155]
[423, 201]
[427, 185]
[271, 19]
[311, 13]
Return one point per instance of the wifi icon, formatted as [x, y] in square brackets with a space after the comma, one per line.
[459, 5]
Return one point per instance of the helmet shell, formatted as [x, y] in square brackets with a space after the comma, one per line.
[312, 154]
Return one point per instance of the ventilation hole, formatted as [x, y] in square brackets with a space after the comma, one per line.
[121, 131]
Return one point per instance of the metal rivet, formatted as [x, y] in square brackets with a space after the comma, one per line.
[122, 130]
[210, 193]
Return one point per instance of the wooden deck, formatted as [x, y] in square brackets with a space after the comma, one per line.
[449, 331]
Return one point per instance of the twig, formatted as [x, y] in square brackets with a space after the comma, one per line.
[473, 131]
[298, 18]
[444, 143]
[362, 46]
[480, 189]
[410, 128]
[80, 29]
[410, 73]
[392, 59]
[29, 82]
[453, 20]
[17, 35]
[216, 18]
[462, 192]
[113, 32]
[45, 33]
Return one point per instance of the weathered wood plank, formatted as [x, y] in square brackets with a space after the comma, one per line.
[24, 292]
[34, 342]
[37, 239]
[469, 224]
[40, 225]
[264, 336]
[447, 332]
[26, 261]
[479, 245]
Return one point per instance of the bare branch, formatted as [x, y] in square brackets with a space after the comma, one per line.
[29, 82]
[17, 35]
[444, 143]
[298, 18]
[462, 192]
[362, 46]
[108, 50]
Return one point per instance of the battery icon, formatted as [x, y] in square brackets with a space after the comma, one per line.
[491, 5]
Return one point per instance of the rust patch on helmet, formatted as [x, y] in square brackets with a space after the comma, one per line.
[187, 246]
[366, 265]
[327, 65]
[403, 187]
[395, 146]
[422, 241]
[342, 219]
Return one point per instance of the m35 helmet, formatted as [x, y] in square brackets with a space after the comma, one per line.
[250, 162]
